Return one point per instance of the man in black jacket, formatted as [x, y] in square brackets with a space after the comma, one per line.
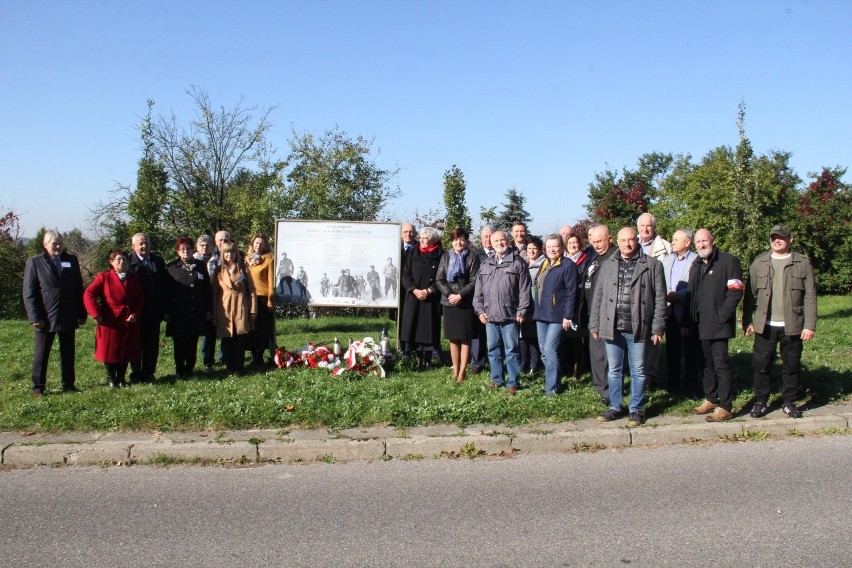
[53, 298]
[715, 288]
[152, 272]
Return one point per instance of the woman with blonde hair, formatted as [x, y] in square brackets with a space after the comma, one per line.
[260, 264]
[234, 306]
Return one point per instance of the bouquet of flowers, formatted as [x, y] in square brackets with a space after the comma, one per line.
[362, 357]
[312, 356]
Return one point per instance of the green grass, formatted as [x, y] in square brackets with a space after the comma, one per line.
[217, 401]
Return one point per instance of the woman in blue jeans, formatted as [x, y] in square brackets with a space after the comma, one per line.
[557, 289]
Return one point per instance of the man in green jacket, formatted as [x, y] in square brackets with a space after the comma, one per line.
[780, 307]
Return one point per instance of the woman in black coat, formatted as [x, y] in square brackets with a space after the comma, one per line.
[421, 317]
[456, 280]
[188, 305]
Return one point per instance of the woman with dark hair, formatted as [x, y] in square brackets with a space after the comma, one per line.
[115, 300]
[575, 249]
[556, 286]
[530, 353]
[188, 305]
[234, 306]
[456, 279]
[420, 329]
[575, 346]
[259, 261]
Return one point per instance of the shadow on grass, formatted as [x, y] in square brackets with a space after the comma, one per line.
[839, 314]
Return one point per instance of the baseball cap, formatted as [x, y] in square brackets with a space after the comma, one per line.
[781, 230]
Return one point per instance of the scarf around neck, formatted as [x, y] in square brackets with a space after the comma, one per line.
[456, 267]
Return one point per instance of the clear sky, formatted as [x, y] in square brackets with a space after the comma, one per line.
[536, 95]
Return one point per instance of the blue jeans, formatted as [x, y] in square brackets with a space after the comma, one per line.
[549, 335]
[615, 358]
[505, 332]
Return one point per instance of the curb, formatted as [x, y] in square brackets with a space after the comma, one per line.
[385, 443]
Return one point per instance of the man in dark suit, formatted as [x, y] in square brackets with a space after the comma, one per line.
[53, 298]
[408, 234]
[478, 345]
[152, 272]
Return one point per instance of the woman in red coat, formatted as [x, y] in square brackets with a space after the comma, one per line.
[114, 300]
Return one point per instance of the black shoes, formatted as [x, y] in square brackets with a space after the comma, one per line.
[609, 415]
[759, 410]
[790, 410]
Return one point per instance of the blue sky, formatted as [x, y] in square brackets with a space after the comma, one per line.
[535, 95]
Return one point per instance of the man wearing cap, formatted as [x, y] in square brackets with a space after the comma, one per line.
[780, 307]
[715, 288]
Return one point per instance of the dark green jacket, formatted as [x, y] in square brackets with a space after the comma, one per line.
[800, 304]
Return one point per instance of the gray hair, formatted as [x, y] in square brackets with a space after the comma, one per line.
[554, 237]
[653, 219]
[486, 228]
[51, 235]
[432, 233]
[686, 233]
[205, 238]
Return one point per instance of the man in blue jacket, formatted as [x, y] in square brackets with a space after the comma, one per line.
[501, 300]
[53, 298]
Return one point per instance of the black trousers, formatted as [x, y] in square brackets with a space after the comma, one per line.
[718, 385]
[478, 347]
[146, 367]
[116, 372]
[41, 357]
[186, 354]
[682, 352]
[234, 352]
[791, 363]
[599, 366]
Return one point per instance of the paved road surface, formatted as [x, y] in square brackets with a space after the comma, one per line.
[755, 504]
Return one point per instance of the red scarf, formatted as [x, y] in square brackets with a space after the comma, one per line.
[428, 249]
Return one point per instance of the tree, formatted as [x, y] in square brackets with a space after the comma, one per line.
[147, 206]
[823, 231]
[455, 200]
[513, 211]
[191, 179]
[335, 177]
[618, 200]
[12, 258]
[735, 194]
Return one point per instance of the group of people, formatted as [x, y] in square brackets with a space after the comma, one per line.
[211, 290]
[609, 307]
[510, 304]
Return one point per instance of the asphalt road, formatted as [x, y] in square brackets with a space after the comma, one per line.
[779, 503]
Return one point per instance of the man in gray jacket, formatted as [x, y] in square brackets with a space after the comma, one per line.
[780, 307]
[501, 301]
[628, 311]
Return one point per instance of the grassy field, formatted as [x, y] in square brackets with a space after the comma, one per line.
[313, 398]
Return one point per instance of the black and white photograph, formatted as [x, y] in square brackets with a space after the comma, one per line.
[337, 263]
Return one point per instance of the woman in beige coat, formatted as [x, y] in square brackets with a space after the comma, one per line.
[234, 307]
